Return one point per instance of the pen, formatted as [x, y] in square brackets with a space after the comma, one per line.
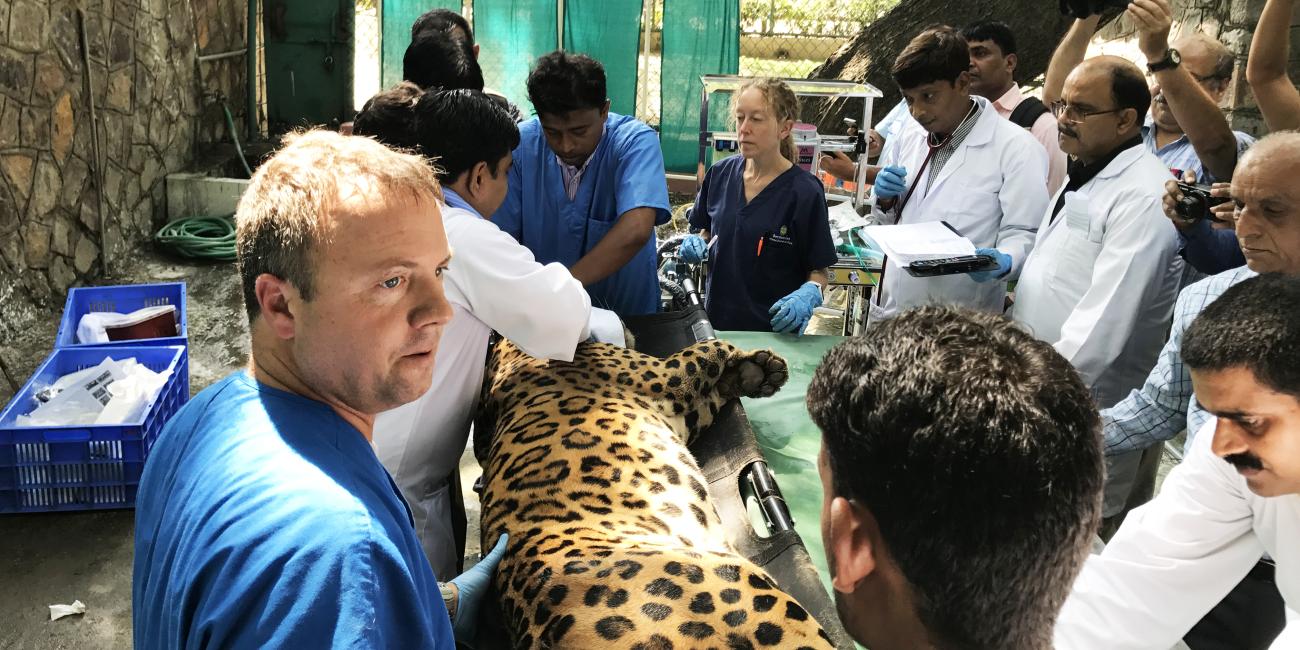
[760, 246]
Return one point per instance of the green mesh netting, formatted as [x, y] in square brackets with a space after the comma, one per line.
[608, 31]
[396, 18]
[513, 33]
[786, 432]
[700, 37]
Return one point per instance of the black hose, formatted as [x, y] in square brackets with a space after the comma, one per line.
[681, 299]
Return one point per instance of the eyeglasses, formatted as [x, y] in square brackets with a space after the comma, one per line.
[1073, 114]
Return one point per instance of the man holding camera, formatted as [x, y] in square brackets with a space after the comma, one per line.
[1186, 128]
[1267, 223]
[1102, 277]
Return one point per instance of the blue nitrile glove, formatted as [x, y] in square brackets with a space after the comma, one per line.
[471, 586]
[792, 313]
[692, 249]
[891, 182]
[1004, 265]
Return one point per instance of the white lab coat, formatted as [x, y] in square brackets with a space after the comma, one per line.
[493, 283]
[1176, 557]
[993, 191]
[1101, 289]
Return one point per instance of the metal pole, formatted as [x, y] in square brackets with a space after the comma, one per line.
[95, 149]
[559, 24]
[204, 58]
[251, 117]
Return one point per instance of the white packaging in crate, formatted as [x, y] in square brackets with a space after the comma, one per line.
[112, 392]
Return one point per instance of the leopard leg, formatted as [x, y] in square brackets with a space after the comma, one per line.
[707, 375]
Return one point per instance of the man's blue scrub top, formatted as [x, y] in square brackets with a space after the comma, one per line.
[626, 171]
[788, 217]
[264, 520]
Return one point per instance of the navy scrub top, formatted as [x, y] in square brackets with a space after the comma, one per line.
[788, 217]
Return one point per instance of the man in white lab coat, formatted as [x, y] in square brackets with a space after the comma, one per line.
[493, 283]
[1101, 282]
[1235, 497]
[959, 162]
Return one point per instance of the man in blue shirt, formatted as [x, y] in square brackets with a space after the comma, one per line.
[264, 518]
[587, 187]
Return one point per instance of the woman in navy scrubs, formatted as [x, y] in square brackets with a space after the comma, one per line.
[768, 215]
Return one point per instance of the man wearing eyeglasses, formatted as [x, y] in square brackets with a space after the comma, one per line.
[1186, 128]
[1101, 280]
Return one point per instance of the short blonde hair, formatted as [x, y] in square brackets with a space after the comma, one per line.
[281, 217]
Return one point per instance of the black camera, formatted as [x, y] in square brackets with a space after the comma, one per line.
[1085, 8]
[1196, 203]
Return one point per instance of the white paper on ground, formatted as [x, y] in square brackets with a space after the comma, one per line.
[912, 242]
[59, 611]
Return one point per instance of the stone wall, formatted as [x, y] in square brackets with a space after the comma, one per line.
[148, 95]
[1230, 21]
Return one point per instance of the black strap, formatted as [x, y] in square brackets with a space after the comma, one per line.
[1027, 112]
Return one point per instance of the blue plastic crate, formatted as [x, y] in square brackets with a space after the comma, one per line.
[123, 299]
[84, 467]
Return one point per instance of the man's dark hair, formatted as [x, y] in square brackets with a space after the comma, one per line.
[389, 116]
[561, 83]
[936, 54]
[461, 128]
[1129, 88]
[435, 60]
[977, 449]
[991, 30]
[442, 21]
[1253, 325]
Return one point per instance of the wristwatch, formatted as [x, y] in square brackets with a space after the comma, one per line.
[1172, 60]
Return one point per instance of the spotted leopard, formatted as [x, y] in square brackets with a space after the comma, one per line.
[613, 540]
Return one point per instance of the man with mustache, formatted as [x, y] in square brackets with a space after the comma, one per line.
[1186, 128]
[264, 518]
[1267, 222]
[1101, 280]
[1236, 496]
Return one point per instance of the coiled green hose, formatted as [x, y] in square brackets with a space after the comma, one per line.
[202, 238]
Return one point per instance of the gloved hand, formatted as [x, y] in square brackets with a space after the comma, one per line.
[1004, 265]
[891, 182]
[692, 249]
[471, 586]
[792, 313]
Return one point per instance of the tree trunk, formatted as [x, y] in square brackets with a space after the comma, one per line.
[1037, 24]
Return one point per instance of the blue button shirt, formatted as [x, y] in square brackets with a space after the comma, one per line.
[626, 171]
[1207, 249]
[264, 520]
[789, 219]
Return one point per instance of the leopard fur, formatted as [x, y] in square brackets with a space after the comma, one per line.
[613, 540]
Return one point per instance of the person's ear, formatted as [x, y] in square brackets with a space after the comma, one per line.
[1127, 120]
[962, 83]
[853, 539]
[476, 51]
[604, 110]
[787, 127]
[1012, 62]
[276, 299]
[478, 177]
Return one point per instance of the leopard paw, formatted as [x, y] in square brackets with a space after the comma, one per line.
[759, 373]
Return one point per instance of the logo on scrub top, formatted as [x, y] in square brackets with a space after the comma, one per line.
[782, 236]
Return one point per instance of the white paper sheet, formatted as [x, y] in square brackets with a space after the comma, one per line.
[912, 242]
